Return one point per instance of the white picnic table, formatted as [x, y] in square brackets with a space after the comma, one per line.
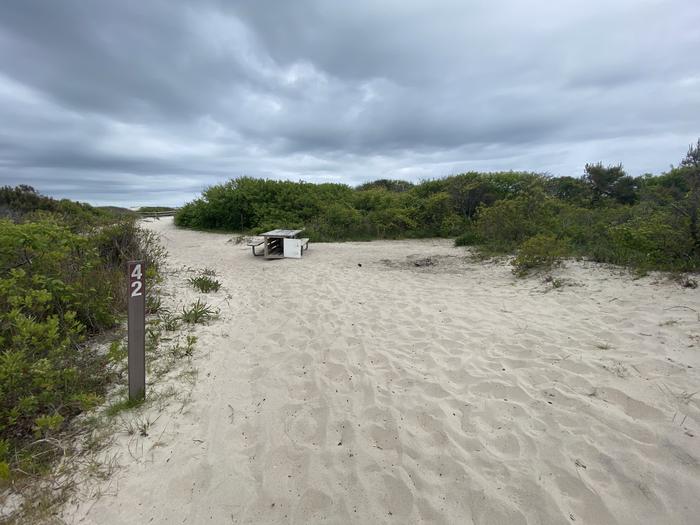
[276, 247]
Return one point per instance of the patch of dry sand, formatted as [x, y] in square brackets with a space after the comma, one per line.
[355, 385]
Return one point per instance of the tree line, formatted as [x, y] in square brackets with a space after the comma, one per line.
[647, 222]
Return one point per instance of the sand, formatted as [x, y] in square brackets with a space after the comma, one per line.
[364, 384]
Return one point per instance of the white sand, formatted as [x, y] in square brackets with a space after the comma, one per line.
[390, 393]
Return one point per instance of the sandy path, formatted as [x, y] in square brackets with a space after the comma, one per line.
[390, 393]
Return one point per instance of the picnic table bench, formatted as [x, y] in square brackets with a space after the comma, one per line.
[280, 243]
[254, 243]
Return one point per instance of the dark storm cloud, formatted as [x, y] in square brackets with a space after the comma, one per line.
[145, 102]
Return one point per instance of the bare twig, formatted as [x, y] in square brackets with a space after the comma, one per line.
[681, 306]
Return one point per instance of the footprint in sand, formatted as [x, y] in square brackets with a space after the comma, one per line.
[630, 406]
[313, 507]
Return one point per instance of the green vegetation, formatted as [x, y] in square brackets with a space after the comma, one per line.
[198, 312]
[205, 282]
[62, 280]
[169, 321]
[26, 204]
[648, 222]
[124, 404]
[541, 251]
[153, 209]
[115, 210]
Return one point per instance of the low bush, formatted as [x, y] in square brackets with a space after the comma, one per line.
[179, 351]
[61, 281]
[198, 312]
[335, 212]
[648, 222]
[469, 237]
[169, 321]
[540, 252]
[24, 202]
[204, 283]
[505, 225]
[155, 209]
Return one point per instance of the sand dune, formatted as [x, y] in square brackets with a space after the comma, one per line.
[363, 384]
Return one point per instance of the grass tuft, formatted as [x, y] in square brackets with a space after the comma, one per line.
[199, 312]
[205, 283]
[169, 321]
[124, 404]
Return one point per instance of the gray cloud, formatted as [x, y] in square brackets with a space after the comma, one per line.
[148, 102]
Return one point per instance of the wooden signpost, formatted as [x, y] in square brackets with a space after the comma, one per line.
[137, 329]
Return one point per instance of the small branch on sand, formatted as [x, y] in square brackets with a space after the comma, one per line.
[685, 308]
[681, 306]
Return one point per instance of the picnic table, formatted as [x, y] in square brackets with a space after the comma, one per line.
[283, 243]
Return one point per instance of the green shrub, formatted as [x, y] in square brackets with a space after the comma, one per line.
[390, 223]
[25, 202]
[643, 222]
[49, 270]
[61, 280]
[204, 283]
[198, 312]
[330, 212]
[169, 321]
[571, 190]
[152, 209]
[505, 225]
[432, 211]
[153, 302]
[178, 351]
[651, 241]
[610, 183]
[397, 186]
[452, 225]
[469, 237]
[540, 252]
[336, 222]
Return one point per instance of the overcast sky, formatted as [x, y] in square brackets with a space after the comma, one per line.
[147, 102]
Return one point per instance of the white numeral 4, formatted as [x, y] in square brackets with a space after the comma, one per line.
[136, 272]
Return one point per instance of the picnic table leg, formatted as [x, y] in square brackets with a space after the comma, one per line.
[267, 249]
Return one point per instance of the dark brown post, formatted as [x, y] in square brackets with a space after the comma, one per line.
[137, 329]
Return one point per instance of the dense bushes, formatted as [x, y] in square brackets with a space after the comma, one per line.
[61, 280]
[505, 225]
[383, 209]
[541, 251]
[155, 209]
[25, 202]
[247, 203]
[380, 209]
[646, 222]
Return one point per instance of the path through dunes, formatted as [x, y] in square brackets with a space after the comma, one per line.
[364, 384]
